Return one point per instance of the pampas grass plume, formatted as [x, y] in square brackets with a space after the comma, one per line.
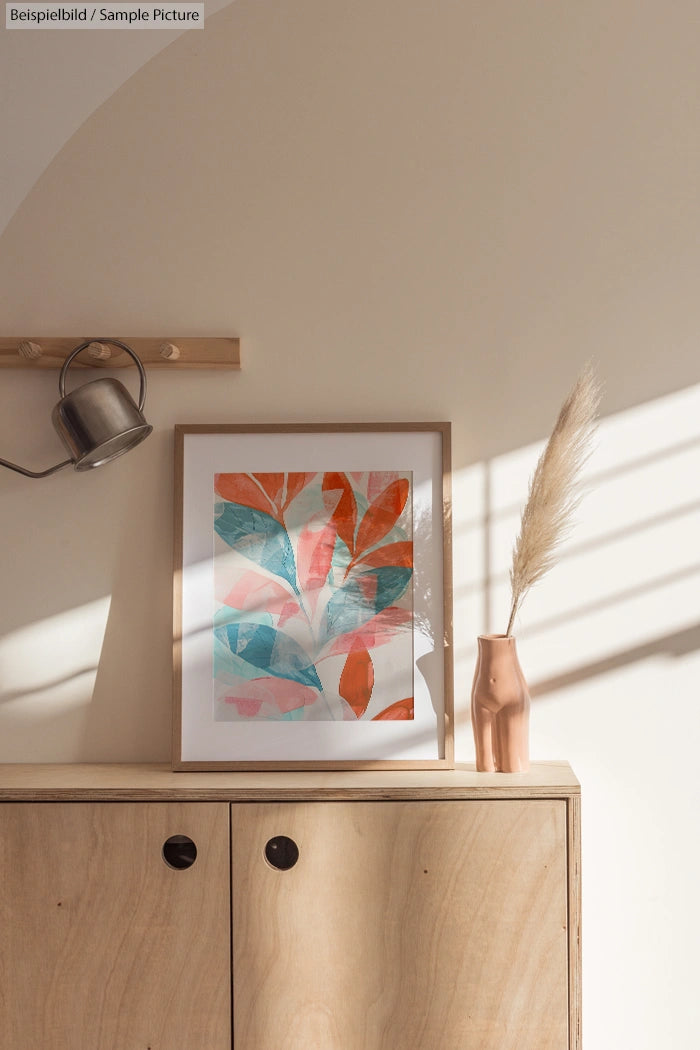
[553, 496]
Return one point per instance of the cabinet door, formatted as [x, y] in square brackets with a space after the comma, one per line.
[402, 926]
[103, 946]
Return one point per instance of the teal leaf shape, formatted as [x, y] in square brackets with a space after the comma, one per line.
[362, 597]
[271, 651]
[226, 614]
[227, 664]
[257, 536]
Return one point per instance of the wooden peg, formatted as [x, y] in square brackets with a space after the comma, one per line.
[28, 350]
[169, 351]
[99, 351]
[175, 354]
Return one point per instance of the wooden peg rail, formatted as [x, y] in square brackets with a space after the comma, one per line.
[167, 354]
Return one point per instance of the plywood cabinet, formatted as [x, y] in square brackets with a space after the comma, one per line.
[402, 924]
[104, 946]
[355, 911]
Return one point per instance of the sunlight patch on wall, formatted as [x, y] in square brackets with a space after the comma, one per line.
[625, 586]
[53, 662]
[469, 572]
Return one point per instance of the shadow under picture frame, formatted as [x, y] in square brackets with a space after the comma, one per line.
[312, 594]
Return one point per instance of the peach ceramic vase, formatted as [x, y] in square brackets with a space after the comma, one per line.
[500, 707]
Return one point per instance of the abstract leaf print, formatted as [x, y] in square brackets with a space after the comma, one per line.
[313, 596]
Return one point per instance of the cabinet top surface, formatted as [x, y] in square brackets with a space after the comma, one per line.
[114, 782]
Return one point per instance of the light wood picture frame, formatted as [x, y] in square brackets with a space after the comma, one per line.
[312, 597]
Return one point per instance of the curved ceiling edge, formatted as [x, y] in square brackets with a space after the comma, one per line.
[40, 115]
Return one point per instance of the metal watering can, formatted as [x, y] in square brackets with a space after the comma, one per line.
[96, 422]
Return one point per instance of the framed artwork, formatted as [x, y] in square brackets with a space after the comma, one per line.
[312, 597]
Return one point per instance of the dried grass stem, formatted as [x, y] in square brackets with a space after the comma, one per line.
[553, 495]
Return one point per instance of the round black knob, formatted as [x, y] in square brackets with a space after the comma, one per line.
[179, 852]
[282, 852]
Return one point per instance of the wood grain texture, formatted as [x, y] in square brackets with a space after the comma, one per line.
[575, 954]
[445, 720]
[448, 604]
[105, 947]
[309, 428]
[420, 925]
[195, 353]
[178, 537]
[113, 782]
[311, 764]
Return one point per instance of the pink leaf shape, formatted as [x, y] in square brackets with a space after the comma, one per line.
[379, 480]
[254, 592]
[314, 554]
[246, 708]
[290, 610]
[377, 631]
[279, 694]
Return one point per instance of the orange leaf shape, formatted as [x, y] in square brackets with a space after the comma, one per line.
[241, 488]
[357, 681]
[272, 483]
[399, 555]
[295, 483]
[344, 517]
[401, 711]
[382, 515]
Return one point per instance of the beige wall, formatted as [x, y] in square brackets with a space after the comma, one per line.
[406, 211]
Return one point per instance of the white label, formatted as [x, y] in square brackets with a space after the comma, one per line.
[104, 16]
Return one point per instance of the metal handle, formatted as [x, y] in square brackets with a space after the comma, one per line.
[35, 473]
[114, 342]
